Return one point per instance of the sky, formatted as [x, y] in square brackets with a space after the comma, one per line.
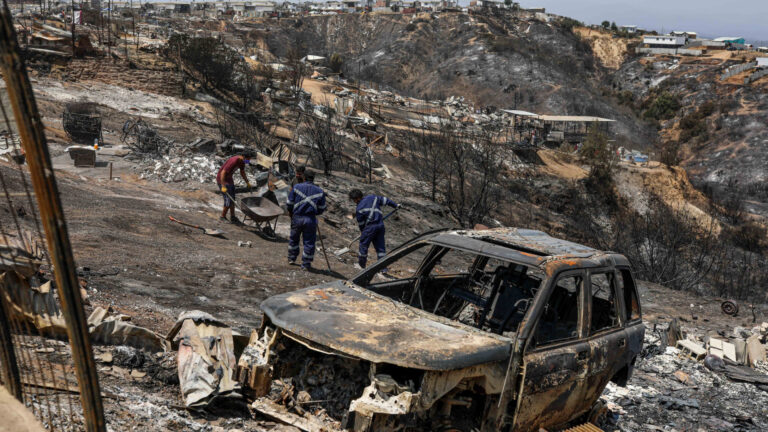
[709, 18]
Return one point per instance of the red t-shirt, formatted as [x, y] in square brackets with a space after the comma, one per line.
[229, 168]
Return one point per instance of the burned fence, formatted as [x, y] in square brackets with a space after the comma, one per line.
[82, 122]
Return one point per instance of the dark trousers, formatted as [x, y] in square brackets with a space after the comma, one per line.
[303, 227]
[371, 234]
[231, 191]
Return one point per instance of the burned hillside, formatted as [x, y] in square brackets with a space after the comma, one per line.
[504, 61]
[715, 124]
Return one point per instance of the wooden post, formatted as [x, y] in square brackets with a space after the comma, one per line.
[31, 131]
[11, 376]
[110, 171]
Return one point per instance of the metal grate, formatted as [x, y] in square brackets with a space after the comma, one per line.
[45, 354]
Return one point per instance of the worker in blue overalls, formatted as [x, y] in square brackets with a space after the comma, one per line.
[371, 223]
[305, 202]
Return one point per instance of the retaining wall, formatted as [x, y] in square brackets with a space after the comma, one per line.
[756, 76]
[737, 69]
[669, 51]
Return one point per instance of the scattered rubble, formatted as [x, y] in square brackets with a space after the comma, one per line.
[711, 394]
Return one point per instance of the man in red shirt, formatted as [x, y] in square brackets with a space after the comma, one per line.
[227, 183]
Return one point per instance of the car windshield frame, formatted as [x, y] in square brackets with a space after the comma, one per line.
[364, 279]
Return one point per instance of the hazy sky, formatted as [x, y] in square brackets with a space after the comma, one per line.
[710, 18]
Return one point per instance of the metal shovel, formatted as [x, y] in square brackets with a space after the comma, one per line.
[208, 231]
[341, 252]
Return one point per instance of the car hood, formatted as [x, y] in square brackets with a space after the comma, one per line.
[359, 323]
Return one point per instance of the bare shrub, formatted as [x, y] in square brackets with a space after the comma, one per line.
[667, 245]
[475, 163]
[325, 144]
[429, 157]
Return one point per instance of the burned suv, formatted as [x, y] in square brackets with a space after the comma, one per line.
[502, 329]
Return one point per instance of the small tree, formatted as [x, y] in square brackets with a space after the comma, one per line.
[208, 56]
[474, 171]
[669, 153]
[664, 106]
[430, 157]
[325, 144]
[614, 27]
[733, 201]
[336, 62]
[245, 85]
[298, 69]
[606, 24]
[599, 156]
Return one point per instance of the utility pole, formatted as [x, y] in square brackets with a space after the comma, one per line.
[133, 17]
[109, 28]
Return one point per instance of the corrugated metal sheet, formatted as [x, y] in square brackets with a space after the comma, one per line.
[584, 119]
[521, 113]
[586, 427]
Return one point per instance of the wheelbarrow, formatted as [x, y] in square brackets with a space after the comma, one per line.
[261, 211]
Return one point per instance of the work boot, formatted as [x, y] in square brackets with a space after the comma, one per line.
[306, 268]
[358, 266]
[292, 261]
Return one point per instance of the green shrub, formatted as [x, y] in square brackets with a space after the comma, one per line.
[664, 107]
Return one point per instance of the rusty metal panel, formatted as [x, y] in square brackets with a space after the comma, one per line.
[365, 325]
[533, 240]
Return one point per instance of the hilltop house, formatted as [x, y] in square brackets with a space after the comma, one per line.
[631, 29]
[686, 34]
[664, 41]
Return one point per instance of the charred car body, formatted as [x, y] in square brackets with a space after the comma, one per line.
[505, 329]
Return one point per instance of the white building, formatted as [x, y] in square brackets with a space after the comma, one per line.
[687, 34]
[664, 41]
[631, 29]
[332, 6]
[762, 62]
[248, 8]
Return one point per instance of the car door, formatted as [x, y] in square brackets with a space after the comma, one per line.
[633, 318]
[607, 336]
[555, 361]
